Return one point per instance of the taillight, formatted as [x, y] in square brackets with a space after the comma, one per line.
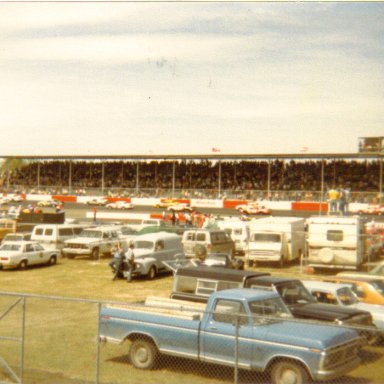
[4, 258]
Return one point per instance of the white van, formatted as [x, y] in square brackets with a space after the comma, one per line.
[152, 249]
[54, 235]
[239, 232]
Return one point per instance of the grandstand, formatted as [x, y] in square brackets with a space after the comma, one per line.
[270, 176]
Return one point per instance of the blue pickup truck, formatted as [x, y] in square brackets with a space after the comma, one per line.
[248, 327]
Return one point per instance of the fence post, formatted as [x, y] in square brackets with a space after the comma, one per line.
[98, 344]
[22, 349]
[236, 372]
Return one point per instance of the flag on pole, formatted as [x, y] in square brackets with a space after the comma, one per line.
[215, 149]
[304, 149]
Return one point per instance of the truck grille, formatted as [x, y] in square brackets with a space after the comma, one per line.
[261, 253]
[76, 246]
[342, 354]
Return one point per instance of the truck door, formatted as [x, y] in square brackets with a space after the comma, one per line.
[218, 336]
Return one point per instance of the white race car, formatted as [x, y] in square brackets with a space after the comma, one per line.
[120, 205]
[253, 209]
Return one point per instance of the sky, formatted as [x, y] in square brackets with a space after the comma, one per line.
[142, 78]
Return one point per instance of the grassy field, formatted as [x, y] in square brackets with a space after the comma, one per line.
[61, 334]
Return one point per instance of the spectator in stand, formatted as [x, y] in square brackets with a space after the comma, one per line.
[333, 198]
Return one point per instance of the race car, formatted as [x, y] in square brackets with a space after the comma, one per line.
[180, 207]
[253, 209]
[372, 209]
[165, 203]
[48, 203]
[120, 205]
[97, 201]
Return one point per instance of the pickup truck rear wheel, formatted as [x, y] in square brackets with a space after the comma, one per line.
[288, 372]
[143, 354]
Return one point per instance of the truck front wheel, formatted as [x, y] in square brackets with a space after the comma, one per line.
[289, 372]
[152, 273]
[143, 354]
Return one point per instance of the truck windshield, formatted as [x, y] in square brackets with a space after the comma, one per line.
[270, 307]
[294, 293]
[266, 237]
[92, 234]
[346, 296]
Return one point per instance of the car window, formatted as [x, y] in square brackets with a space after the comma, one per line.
[191, 236]
[29, 248]
[65, 232]
[48, 232]
[227, 311]
[200, 237]
[39, 231]
[38, 247]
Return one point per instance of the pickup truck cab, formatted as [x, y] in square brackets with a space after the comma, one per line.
[247, 328]
[196, 284]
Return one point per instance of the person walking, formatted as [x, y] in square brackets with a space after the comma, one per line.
[130, 258]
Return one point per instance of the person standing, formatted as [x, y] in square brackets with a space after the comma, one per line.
[130, 258]
[117, 262]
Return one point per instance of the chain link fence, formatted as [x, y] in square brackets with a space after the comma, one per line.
[57, 340]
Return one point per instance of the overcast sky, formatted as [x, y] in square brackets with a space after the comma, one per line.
[183, 78]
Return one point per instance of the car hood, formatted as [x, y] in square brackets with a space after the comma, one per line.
[303, 334]
[326, 312]
[141, 253]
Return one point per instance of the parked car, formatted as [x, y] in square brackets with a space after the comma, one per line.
[54, 235]
[367, 290]
[16, 237]
[152, 249]
[200, 242]
[22, 254]
[342, 294]
[375, 273]
[120, 204]
[253, 208]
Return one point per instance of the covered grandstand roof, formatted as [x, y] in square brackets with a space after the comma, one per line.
[243, 156]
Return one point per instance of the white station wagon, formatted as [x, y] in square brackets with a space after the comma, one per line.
[21, 254]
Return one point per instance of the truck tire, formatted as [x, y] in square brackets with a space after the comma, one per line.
[326, 255]
[287, 372]
[143, 354]
[95, 253]
[152, 273]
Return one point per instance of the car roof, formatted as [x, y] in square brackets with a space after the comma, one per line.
[246, 294]
[217, 273]
[315, 284]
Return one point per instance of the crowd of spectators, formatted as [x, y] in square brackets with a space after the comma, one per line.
[246, 179]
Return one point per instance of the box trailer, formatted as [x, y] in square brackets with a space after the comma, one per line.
[276, 239]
